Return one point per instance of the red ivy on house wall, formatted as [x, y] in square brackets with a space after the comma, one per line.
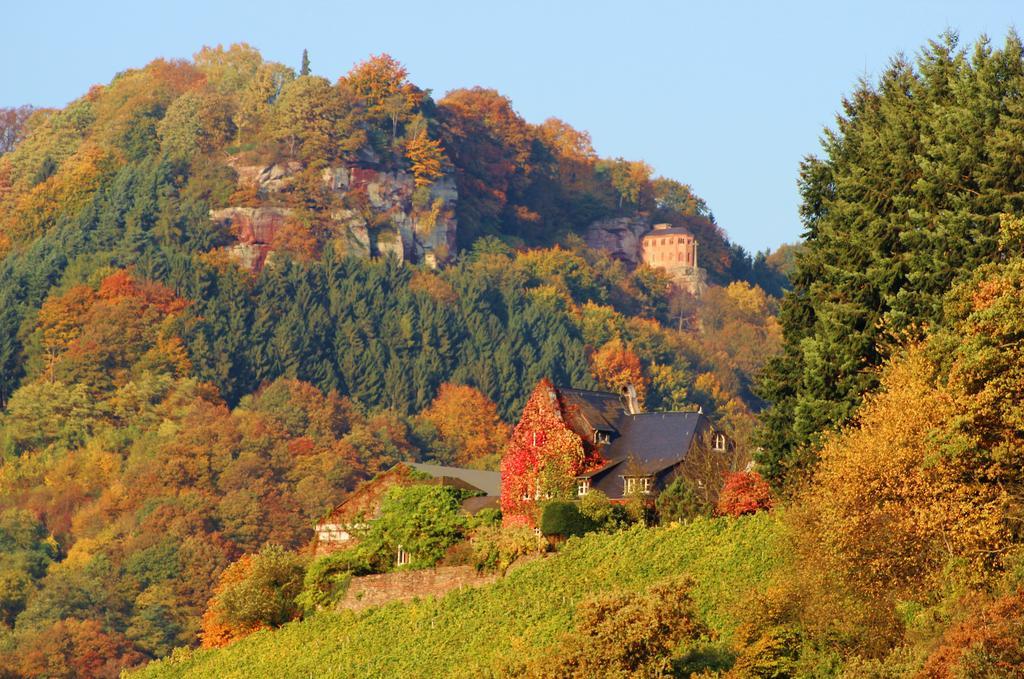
[542, 458]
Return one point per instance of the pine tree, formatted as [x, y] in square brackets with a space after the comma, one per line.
[902, 205]
[304, 70]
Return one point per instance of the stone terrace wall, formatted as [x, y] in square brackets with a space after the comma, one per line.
[375, 590]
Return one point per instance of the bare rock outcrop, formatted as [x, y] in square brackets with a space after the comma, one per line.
[619, 237]
[252, 224]
[268, 179]
[383, 214]
[418, 227]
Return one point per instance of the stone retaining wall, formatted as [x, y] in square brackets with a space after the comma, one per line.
[374, 590]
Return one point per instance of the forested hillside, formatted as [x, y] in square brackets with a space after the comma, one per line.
[894, 439]
[169, 406]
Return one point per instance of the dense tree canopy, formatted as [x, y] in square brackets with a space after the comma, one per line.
[904, 202]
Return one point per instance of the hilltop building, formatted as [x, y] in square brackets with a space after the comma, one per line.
[674, 249]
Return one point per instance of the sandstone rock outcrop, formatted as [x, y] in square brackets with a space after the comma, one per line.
[255, 229]
[382, 213]
[619, 237]
[252, 224]
[420, 230]
[268, 178]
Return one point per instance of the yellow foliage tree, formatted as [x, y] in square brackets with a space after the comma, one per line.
[886, 512]
[427, 158]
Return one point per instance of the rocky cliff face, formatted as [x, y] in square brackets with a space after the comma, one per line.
[380, 213]
[619, 237]
[413, 228]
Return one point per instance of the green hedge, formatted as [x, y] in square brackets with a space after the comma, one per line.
[563, 518]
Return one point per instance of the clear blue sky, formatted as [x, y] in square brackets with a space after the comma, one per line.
[727, 97]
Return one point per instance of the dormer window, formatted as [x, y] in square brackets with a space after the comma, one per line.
[719, 443]
[601, 437]
[582, 487]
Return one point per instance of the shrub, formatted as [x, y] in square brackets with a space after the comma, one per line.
[989, 643]
[626, 634]
[773, 654]
[488, 516]
[327, 578]
[495, 548]
[459, 554]
[743, 493]
[255, 592]
[678, 502]
[424, 520]
[604, 515]
[564, 518]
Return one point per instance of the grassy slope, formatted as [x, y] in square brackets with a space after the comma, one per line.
[469, 632]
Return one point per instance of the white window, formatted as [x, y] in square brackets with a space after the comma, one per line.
[642, 484]
[719, 442]
[582, 487]
[602, 437]
[403, 557]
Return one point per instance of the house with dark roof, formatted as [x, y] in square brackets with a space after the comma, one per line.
[336, 530]
[635, 453]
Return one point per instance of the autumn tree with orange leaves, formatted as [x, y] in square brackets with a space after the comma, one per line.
[256, 592]
[468, 424]
[615, 366]
[382, 83]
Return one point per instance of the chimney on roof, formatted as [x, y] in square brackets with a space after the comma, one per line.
[661, 227]
[632, 402]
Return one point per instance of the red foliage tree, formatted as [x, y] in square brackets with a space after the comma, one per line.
[743, 493]
[541, 459]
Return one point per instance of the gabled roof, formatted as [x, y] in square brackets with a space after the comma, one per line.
[473, 505]
[487, 482]
[642, 444]
[651, 442]
[599, 409]
[598, 470]
[365, 499]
